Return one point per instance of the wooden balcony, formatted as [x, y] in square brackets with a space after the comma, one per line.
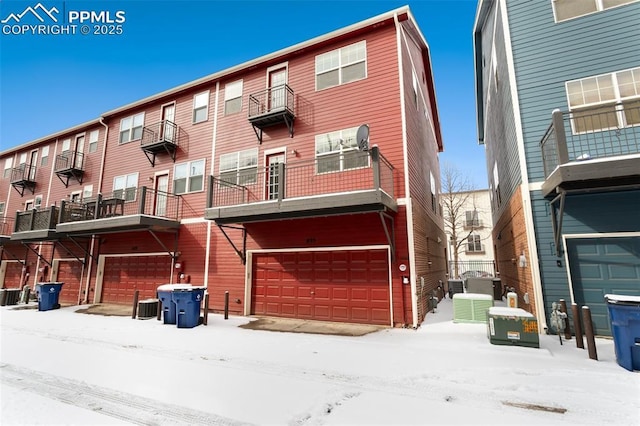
[357, 182]
[36, 225]
[160, 138]
[592, 150]
[272, 107]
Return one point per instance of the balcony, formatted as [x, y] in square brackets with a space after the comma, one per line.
[359, 182]
[472, 224]
[6, 229]
[592, 150]
[69, 165]
[271, 107]
[159, 138]
[23, 177]
[36, 225]
[135, 209]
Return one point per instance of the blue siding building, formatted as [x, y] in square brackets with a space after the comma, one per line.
[558, 110]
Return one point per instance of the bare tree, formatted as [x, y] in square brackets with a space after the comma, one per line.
[456, 197]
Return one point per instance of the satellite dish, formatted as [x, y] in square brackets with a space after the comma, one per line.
[362, 137]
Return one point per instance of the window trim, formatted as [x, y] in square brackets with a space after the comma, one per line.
[92, 142]
[341, 65]
[238, 169]
[43, 157]
[188, 178]
[131, 129]
[124, 189]
[194, 108]
[340, 153]
[599, 8]
[227, 99]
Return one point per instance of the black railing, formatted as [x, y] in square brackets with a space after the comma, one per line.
[128, 202]
[69, 161]
[23, 173]
[591, 133]
[36, 219]
[273, 99]
[6, 225]
[356, 171]
[163, 131]
[471, 269]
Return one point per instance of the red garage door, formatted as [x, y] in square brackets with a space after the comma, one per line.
[124, 275]
[70, 273]
[344, 286]
[12, 274]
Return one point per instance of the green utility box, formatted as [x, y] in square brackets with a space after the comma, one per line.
[471, 307]
[512, 326]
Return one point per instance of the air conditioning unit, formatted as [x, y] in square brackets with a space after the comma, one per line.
[471, 307]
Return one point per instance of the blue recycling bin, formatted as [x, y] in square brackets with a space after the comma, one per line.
[168, 305]
[624, 313]
[188, 303]
[48, 295]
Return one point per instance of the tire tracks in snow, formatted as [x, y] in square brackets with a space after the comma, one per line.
[121, 405]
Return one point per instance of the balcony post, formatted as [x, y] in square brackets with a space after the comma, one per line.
[375, 159]
[143, 199]
[63, 204]
[281, 181]
[209, 191]
[561, 137]
[96, 213]
[52, 217]
[32, 217]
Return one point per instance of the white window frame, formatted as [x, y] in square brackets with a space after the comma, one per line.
[1, 209]
[93, 140]
[29, 205]
[135, 123]
[600, 5]
[190, 175]
[87, 192]
[37, 202]
[130, 186]
[334, 61]
[200, 102]
[8, 165]
[233, 91]
[44, 156]
[344, 141]
[474, 241]
[615, 100]
[245, 167]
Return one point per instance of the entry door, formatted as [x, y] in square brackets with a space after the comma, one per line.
[167, 129]
[33, 161]
[277, 80]
[161, 187]
[79, 150]
[273, 176]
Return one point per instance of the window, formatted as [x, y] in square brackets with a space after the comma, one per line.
[28, 205]
[75, 196]
[472, 219]
[606, 101]
[1, 208]
[188, 177]
[44, 159]
[87, 192]
[341, 66]
[496, 184]
[239, 168]
[432, 183]
[415, 88]
[568, 9]
[8, 164]
[93, 141]
[233, 97]
[66, 145]
[200, 107]
[37, 203]
[125, 186]
[474, 244]
[131, 128]
[338, 151]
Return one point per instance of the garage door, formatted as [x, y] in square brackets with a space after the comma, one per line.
[12, 274]
[602, 266]
[344, 286]
[124, 275]
[69, 273]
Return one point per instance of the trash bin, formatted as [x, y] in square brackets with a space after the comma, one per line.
[455, 286]
[3, 296]
[48, 295]
[168, 305]
[497, 289]
[188, 303]
[624, 313]
[148, 309]
[12, 295]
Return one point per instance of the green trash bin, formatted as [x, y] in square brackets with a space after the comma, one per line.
[512, 326]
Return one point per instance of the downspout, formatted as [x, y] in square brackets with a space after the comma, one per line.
[211, 169]
[407, 199]
[99, 190]
[526, 195]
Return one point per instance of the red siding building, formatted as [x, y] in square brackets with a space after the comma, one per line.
[305, 183]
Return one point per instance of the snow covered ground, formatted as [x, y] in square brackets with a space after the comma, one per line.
[63, 367]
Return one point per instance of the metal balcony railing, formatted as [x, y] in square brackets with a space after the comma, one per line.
[36, 219]
[164, 131]
[23, 173]
[272, 99]
[69, 160]
[127, 202]
[473, 223]
[591, 133]
[303, 179]
[6, 225]
[472, 268]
